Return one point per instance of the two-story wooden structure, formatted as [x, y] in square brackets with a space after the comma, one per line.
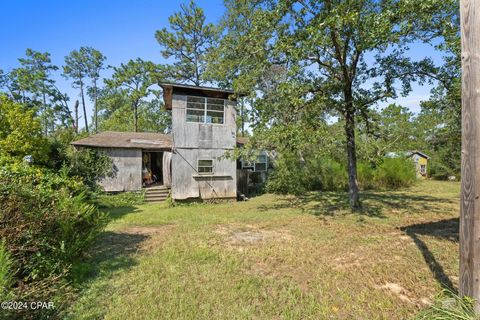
[191, 160]
[203, 132]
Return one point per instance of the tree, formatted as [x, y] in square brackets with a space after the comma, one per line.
[32, 85]
[188, 42]
[392, 129]
[77, 68]
[95, 60]
[349, 55]
[21, 132]
[135, 79]
[116, 112]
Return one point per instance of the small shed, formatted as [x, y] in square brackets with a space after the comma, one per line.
[421, 162]
[139, 158]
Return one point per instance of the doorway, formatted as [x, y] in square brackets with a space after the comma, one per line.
[152, 168]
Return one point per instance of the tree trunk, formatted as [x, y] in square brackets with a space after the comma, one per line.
[95, 104]
[354, 197]
[75, 107]
[84, 108]
[45, 120]
[243, 119]
[135, 115]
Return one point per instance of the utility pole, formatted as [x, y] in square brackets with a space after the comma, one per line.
[470, 198]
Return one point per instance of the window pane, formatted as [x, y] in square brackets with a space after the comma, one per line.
[195, 105]
[214, 117]
[205, 163]
[195, 115]
[260, 166]
[196, 99]
[215, 101]
[205, 169]
[215, 107]
[262, 158]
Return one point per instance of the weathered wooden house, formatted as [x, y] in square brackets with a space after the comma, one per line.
[191, 161]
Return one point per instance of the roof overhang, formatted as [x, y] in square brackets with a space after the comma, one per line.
[169, 89]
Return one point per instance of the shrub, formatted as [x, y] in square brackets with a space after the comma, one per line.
[46, 224]
[288, 177]
[395, 173]
[86, 164]
[439, 171]
[327, 174]
[6, 272]
[89, 164]
[366, 176]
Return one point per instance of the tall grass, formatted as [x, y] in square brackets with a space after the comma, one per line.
[449, 306]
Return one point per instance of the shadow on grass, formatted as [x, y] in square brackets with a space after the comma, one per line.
[112, 251]
[444, 229]
[374, 204]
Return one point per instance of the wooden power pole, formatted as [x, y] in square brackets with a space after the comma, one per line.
[470, 199]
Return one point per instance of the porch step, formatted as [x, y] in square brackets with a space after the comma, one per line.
[156, 194]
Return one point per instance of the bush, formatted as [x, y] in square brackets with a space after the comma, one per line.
[6, 272]
[439, 171]
[395, 173]
[86, 164]
[46, 224]
[288, 177]
[89, 164]
[366, 176]
[325, 174]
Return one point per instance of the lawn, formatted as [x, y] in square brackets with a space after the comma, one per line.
[276, 257]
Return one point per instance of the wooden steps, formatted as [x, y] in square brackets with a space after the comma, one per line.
[156, 194]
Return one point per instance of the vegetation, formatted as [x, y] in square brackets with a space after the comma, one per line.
[326, 174]
[310, 58]
[188, 42]
[46, 225]
[276, 256]
[309, 77]
[449, 306]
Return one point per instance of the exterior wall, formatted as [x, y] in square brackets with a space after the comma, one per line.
[127, 170]
[197, 141]
[419, 161]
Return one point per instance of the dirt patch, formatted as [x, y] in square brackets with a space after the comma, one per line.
[147, 230]
[403, 294]
[250, 235]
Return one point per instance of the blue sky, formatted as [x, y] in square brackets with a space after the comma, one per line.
[120, 29]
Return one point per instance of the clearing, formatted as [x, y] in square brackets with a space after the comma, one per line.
[276, 257]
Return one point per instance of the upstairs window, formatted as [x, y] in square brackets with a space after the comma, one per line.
[205, 166]
[205, 110]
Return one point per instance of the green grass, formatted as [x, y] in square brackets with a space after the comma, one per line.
[275, 257]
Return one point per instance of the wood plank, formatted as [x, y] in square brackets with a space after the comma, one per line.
[470, 207]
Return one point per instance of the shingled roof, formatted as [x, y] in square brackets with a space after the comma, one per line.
[129, 140]
[132, 140]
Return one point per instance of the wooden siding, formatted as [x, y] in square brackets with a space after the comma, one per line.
[126, 171]
[167, 169]
[187, 183]
[197, 141]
